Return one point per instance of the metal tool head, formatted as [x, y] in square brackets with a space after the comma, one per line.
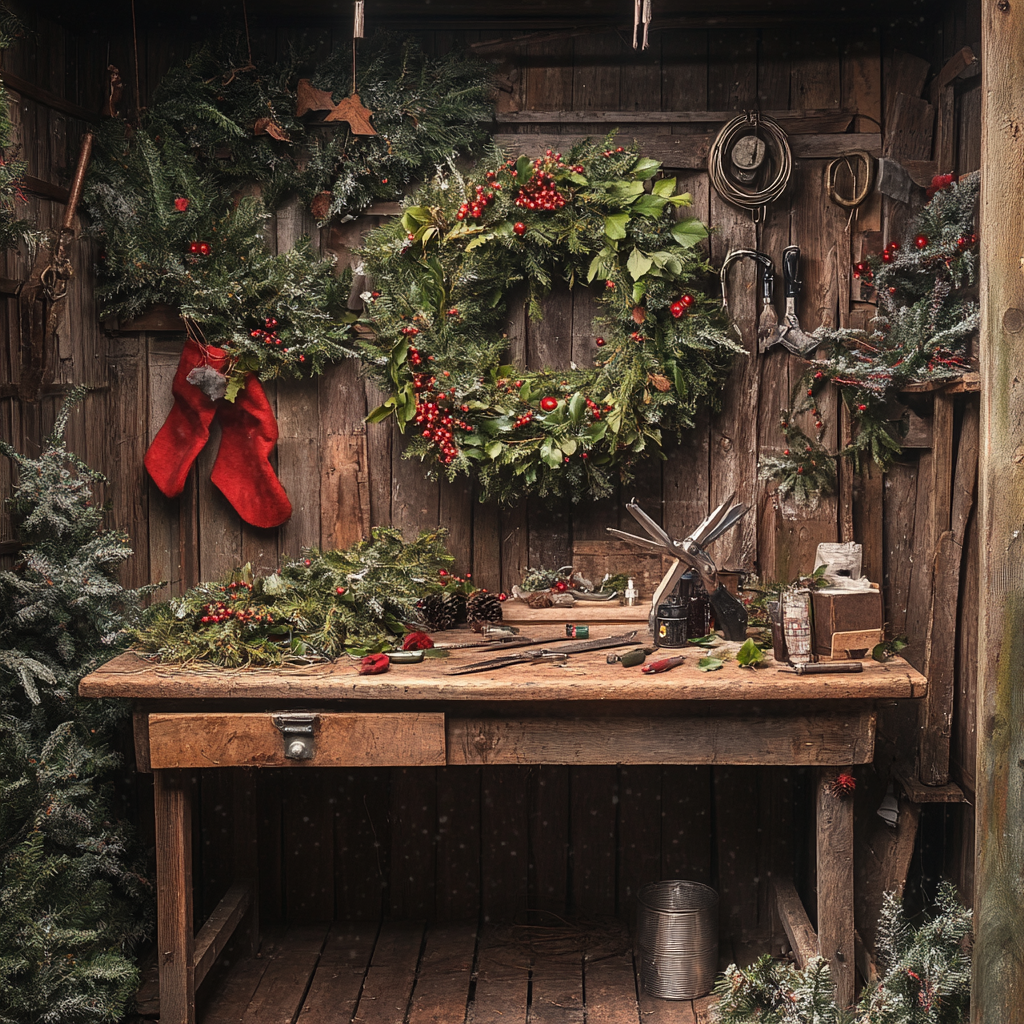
[650, 525]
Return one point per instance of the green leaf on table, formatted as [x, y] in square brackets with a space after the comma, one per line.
[704, 641]
[710, 664]
[750, 655]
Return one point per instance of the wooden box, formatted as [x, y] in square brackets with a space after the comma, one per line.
[843, 612]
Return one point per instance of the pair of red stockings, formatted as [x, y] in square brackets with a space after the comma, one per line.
[242, 470]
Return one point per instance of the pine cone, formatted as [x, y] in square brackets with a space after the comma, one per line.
[440, 611]
[483, 607]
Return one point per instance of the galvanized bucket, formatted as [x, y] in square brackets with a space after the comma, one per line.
[677, 939]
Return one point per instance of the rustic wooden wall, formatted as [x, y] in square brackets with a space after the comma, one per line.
[446, 842]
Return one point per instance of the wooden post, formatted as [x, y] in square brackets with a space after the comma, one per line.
[246, 852]
[834, 819]
[998, 982]
[175, 942]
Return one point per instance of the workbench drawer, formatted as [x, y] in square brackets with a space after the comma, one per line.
[337, 739]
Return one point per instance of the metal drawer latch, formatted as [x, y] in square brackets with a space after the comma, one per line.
[297, 729]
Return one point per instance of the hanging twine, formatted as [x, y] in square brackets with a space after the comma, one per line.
[641, 16]
[358, 17]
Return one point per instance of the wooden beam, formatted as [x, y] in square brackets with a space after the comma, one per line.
[834, 831]
[997, 990]
[690, 152]
[175, 943]
[48, 99]
[219, 927]
[795, 922]
[793, 121]
[919, 793]
[46, 189]
[787, 739]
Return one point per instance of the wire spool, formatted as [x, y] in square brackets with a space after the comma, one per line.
[845, 167]
[750, 162]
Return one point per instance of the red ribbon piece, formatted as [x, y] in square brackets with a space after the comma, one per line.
[374, 664]
[417, 641]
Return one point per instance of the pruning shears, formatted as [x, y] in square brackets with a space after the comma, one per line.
[542, 654]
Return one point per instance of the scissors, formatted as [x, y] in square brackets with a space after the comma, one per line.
[689, 553]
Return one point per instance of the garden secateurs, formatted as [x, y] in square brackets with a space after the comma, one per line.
[689, 553]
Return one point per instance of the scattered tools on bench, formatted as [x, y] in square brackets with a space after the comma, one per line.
[663, 665]
[559, 653]
[768, 323]
[631, 658]
[689, 553]
[789, 333]
[832, 668]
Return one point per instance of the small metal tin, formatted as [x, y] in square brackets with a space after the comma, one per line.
[577, 632]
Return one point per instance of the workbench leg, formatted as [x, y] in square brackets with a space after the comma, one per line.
[246, 853]
[834, 829]
[175, 943]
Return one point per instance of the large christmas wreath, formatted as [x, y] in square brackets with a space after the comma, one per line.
[442, 277]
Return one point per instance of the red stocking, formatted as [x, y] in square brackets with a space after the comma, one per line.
[187, 427]
[242, 471]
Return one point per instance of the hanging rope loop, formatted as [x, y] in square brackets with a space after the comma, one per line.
[750, 163]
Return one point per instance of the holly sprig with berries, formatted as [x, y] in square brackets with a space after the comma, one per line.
[467, 246]
[925, 320]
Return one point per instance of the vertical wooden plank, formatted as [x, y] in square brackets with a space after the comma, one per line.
[899, 523]
[610, 987]
[458, 844]
[684, 69]
[835, 884]
[549, 839]
[965, 720]
[246, 851]
[503, 843]
[997, 989]
[592, 816]
[173, 796]
[639, 832]
[513, 525]
[361, 842]
[269, 840]
[738, 846]
[687, 836]
[413, 842]
[732, 69]
[308, 838]
[641, 73]
[220, 529]
[164, 564]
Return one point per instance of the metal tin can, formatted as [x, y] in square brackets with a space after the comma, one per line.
[577, 632]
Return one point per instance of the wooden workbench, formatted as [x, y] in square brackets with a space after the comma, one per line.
[581, 712]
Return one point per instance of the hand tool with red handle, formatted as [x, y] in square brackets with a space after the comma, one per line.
[664, 665]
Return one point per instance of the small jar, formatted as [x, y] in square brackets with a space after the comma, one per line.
[670, 623]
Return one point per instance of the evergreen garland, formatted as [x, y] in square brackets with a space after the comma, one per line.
[442, 274]
[73, 904]
[315, 608]
[181, 200]
[925, 321]
[926, 977]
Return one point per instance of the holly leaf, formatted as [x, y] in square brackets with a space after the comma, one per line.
[615, 225]
[494, 449]
[649, 206]
[710, 664]
[750, 655]
[704, 641]
[645, 168]
[664, 187]
[689, 231]
[235, 382]
[576, 406]
[382, 412]
[550, 453]
[638, 264]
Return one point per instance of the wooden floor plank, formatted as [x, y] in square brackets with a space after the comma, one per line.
[442, 988]
[278, 998]
[610, 990]
[502, 979]
[389, 981]
[666, 1011]
[232, 992]
[338, 981]
[556, 995]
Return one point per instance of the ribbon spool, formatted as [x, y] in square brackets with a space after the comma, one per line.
[750, 162]
[861, 193]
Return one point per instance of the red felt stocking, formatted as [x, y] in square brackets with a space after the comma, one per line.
[242, 471]
[187, 427]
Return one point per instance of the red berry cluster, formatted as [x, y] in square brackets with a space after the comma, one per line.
[200, 248]
[434, 414]
[414, 357]
[221, 611]
[612, 152]
[681, 305]
[269, 335]
[541, 191]
[476, 207]
[939, 182]
[966, 241]
[410, 332]
[524, 420]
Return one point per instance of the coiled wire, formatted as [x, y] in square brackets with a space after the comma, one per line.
[770, 131]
